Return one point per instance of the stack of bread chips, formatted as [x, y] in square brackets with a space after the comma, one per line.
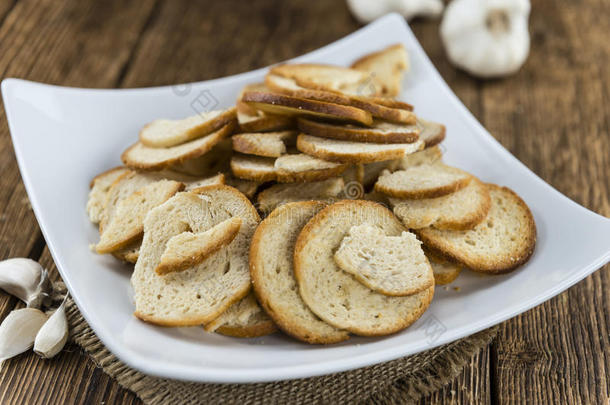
[361, 217]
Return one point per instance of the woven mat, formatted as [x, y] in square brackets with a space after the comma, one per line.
[399, 381]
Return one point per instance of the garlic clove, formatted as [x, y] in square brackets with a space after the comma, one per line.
[27, 280]
[18, 331]
[487, 38]
[368, 10]
[53, 335]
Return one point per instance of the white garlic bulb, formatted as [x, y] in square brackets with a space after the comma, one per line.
[487, 38]
[53, 335]
[368, 10]
[26, 280]
[18, 331]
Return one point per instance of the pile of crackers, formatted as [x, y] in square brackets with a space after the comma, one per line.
[319, 206]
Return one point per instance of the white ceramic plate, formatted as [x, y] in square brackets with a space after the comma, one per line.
[64, 136]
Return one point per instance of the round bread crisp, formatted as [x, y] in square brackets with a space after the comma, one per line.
[324, 77]
[244, 319]
[423, 181]
[272, 271]
[354, 152]
[100, 186]
[334, 295]
[264, 122]
[379, 132]
[458, 211]
[432, 133]
[142, 157]
[201, 293]
[289, 87]
[504, 240]
[163, 133]
[295, 168]
[267, 144]
[281, 104]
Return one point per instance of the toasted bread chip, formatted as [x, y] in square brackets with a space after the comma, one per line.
[336, 296]
[244, 319]
[504, 240]
[378, 132]
[386, 67]
[165, 133]
[265, 122]
[325, 77]
[279, 194]
[140, 156]
[127, 223]
[445, 272]
[100, 186]
[281, 104]
[373, 105]
[268, 144]
[200, 294]
[461, 210]
[390, 265]
[188, 249]
[354, 152]
[272, 270]
[423, 181]
[254, 168]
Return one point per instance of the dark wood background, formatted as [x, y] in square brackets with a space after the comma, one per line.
[554, 115]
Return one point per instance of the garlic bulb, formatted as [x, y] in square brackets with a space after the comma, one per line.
[18, 331]
[487, 38]
[53, 335]
[26, 280]
[368, 10]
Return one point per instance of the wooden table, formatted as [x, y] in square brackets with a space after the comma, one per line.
[554, 115]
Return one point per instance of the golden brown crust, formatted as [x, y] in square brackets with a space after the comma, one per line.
[255, 175]
[283, 176]
[483, 264]
[377, 109]
[390, 102]
[374, 55]
[285, 323]
[444, 277]
[420, 194]
[132, 162]
[243, 108]
[308, 176]
[193, 321]
[173, 265]
[473, 220]
[135, 233]
[250, 143]
[282, 104]
[129, 254]
[310, 230]
[354, 134]
[251, 331]
[438, 138]
[267, 123]
[104, 173]
[356, 157]
[226, 117]
[364, 62]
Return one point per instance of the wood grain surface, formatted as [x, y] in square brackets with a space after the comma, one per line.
[553, 115]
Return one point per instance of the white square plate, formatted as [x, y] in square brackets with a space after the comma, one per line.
[64, 136]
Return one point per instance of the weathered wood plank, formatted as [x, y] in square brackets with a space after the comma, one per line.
[190, 41]
[72, 43]
[553, 116]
